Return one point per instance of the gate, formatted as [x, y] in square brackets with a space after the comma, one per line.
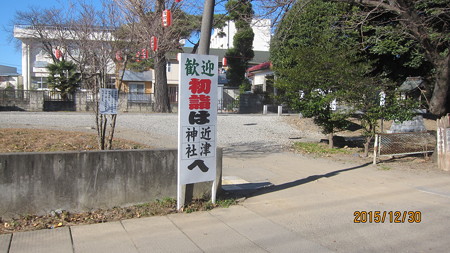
[53, 101]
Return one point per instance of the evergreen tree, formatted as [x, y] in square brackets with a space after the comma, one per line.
[316, 63]
[317, 60]
[63, 77]
[241, 12]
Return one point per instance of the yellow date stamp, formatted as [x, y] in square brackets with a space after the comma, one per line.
[387, 217]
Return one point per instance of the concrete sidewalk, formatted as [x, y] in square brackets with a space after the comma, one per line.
[234, 229]
[296, 204]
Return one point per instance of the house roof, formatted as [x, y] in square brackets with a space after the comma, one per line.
[411, 83]
[262, 66]
[131, 76]
[9, 74]
[8, 71]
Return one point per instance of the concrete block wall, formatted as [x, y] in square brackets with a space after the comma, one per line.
[36, 101]
[415, 125]
[38, 183]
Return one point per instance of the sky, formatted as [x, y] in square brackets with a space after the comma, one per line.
[9, 55]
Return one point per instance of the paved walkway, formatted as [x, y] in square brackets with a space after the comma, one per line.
[235, 229]
[303, 205]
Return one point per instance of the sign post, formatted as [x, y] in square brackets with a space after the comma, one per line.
[108, 101]
[197, 118]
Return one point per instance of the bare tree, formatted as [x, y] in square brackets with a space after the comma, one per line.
[100, 36]
[90, 38]
[149, 13]
[42, 26]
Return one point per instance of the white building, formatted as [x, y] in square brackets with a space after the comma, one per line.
[9, 77]
[223, 38]
[35, 59]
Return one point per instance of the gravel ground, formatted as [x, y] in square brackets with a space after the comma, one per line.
[236, 133]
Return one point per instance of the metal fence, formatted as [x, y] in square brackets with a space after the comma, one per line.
[7, 94]
[50, 95]
[228, 105]
[404, 144]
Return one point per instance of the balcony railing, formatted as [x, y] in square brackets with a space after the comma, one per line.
[136, 97]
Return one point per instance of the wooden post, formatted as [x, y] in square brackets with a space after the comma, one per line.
[375, 149]
[443, 143]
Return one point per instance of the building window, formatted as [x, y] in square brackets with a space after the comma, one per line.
[136, 88]
[111, 83]
[39, 83]
[169, 66]
[173, 94]
[136, 93]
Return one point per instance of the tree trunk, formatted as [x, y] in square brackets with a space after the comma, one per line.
[109, 144]
[330, 140]
[438, 102]
[162, 102]
[366, 146]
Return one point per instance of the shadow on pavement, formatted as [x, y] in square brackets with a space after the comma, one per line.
[267, 187]
[252, 149]
[245, 190]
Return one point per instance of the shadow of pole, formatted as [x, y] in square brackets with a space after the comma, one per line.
[302, 181]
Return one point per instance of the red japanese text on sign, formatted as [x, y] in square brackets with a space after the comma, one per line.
[200, 86]
[199, 102]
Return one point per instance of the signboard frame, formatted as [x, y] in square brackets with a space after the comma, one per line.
[197, 122]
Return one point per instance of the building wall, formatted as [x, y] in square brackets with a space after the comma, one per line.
[148, 87]
[261, 42]
[259, 79]
[8, 81]
[35, 60]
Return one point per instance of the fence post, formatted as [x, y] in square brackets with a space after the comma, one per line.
[123, 102]
[375, 149]
[443, 143]
[81, 101]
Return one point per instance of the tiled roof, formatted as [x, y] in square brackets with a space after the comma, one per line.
[262, 66]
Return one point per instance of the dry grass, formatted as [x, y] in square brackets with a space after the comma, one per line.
[39, 140]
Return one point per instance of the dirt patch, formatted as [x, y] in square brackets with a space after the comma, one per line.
[61, 218]
[39, 140]
[354, 152]
[354, 129]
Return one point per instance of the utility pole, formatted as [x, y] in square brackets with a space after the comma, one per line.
[205, 32]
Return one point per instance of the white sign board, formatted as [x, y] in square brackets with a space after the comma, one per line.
[108, 101]
[333, 105]
[382, 98]
[197, 118]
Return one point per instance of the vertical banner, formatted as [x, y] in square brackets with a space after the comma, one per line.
[197, 118]
[108, 101]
